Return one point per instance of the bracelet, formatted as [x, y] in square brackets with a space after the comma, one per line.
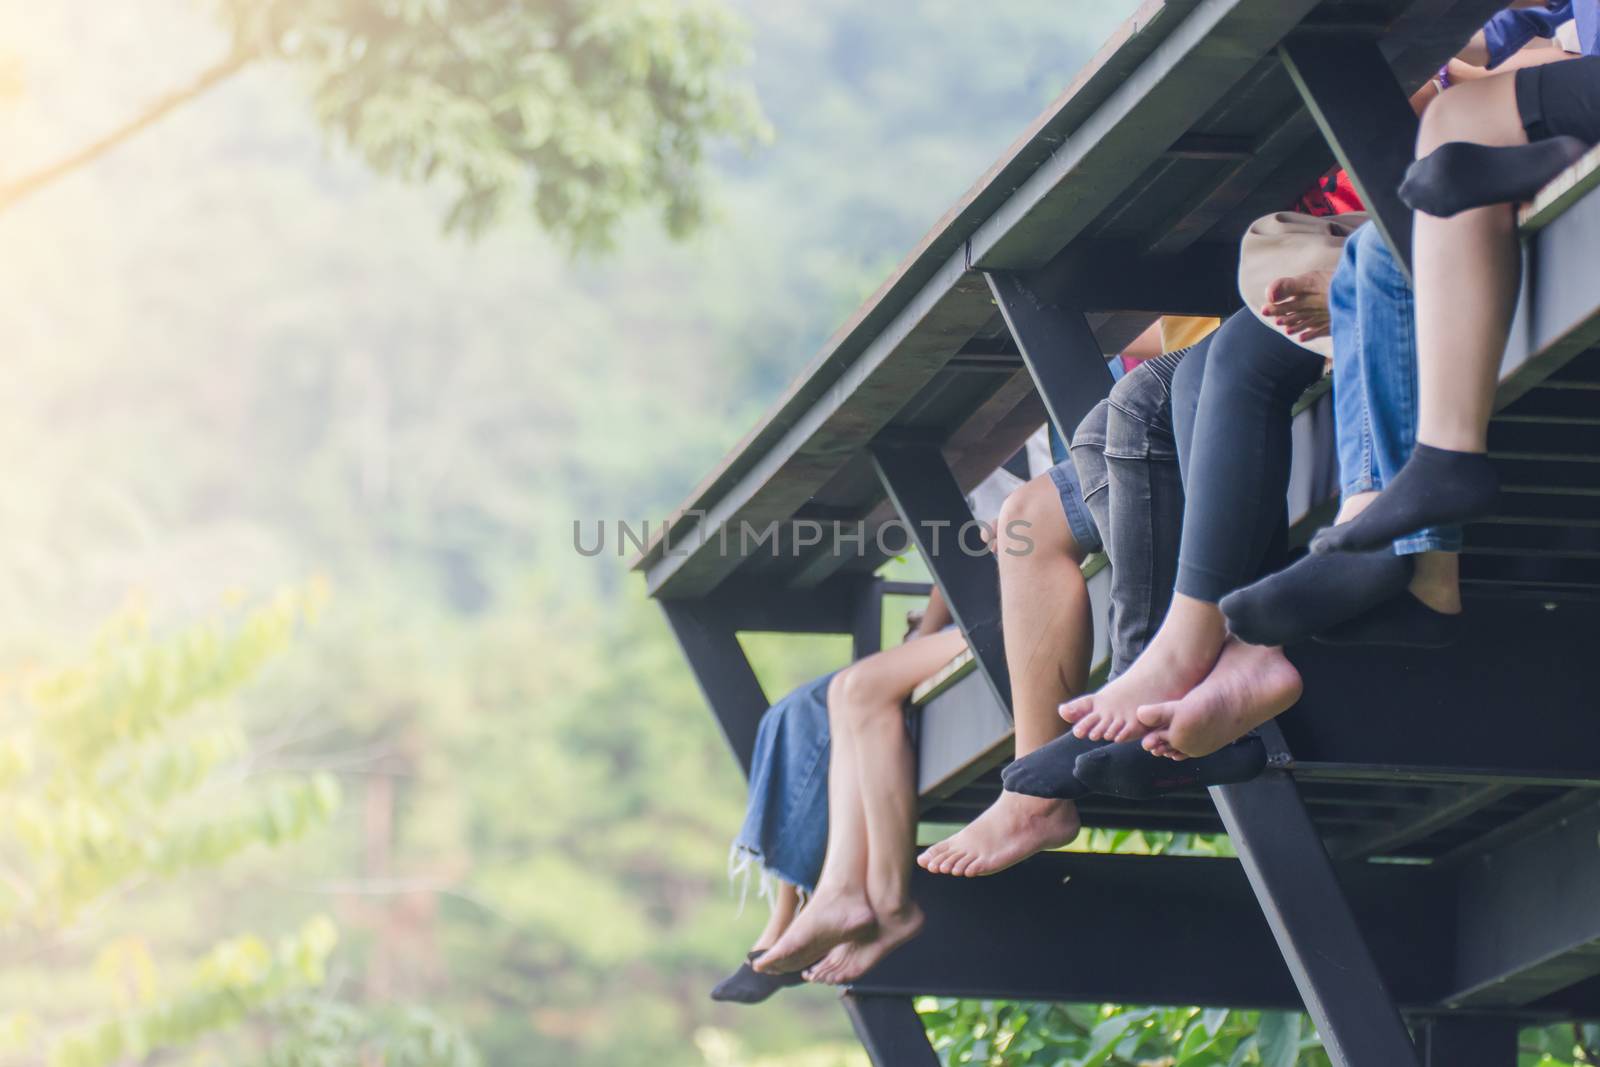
[1442, 79]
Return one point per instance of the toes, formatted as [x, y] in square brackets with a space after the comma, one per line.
[1074, 710]
[1157, 716]
[947, 862]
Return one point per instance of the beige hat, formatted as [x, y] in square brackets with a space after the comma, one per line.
[1287, 243]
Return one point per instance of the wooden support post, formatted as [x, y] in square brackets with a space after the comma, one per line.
[1350, 90]
[891, 1030]
[1295, 884]
[1057, 345]
[724, 674]
[1468, 1041]
[866, 631]
[938, 521]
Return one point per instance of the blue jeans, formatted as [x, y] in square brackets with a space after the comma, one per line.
[786, 820]
[1373, 319]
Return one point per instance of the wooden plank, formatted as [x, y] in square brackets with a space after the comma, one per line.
[1565, 190]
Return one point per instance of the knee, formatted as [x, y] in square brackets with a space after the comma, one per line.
[1139, 396]
[1448, 118]
[1091, 432]
[1030, 519]
[856, 697]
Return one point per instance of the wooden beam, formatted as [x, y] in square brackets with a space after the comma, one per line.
[1351, 91]
[1059, 348]
[940, 524]
[1312, 923]
[723, 672]
[890, 1029]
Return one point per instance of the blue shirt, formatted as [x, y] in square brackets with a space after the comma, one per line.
[1510, 30]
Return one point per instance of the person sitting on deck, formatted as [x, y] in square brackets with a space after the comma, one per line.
[1253, 373]
[831, 815]
[1409, 596]
[861, 908]
[1489, 144]
[1252, 683]
[1130, 505]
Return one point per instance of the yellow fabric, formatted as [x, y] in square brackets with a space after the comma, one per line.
[1181, 331]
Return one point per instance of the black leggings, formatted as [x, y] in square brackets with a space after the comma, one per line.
[1561, 99]
[1231, 403]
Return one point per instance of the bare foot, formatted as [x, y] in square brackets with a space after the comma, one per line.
[828, 920]
[1299, 304]
[1250, 684]
[851, 960]
[1111, 712]
[1014, 828]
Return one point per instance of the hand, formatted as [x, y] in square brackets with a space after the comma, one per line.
[1299, 305]
[913, 623]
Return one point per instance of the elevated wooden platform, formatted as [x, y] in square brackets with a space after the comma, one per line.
[1425, 838]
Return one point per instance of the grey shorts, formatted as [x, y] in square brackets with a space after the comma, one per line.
[1079, 521]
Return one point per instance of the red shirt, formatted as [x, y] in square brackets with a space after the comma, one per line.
[1332, 195]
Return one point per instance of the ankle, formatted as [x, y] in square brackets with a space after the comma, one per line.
[1445, 598]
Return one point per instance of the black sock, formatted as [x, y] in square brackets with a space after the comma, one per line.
[1316, 592]
[1436, 487]
[1460, 175]
[1402, 621]
[1047, 770]
[1127, 770]
[749, 986]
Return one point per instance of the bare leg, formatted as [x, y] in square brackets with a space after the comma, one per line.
[1182, 653]
[1044, 606]
[868, 899]
[838, 909]
[871, 696]
[1467, 269]
[784, 905]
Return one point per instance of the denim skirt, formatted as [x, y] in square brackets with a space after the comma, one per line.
[785, 829]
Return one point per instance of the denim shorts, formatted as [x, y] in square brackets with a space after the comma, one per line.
[1079, 521]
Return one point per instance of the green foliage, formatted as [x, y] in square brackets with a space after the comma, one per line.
[108, 765]
[130, 766]
[1001, 1034]
[580, 110]
[312, 1032]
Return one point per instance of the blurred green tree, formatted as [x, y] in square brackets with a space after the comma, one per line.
[578, 110]
[132, 767]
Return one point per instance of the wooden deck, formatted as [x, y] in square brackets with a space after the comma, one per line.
[1424, 839]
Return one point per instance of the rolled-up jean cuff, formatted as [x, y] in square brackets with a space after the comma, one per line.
[1079, 521]
[1442, 539]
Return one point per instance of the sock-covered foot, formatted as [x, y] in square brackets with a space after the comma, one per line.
[1402, 621]
[1015, 827]
[1128, 771]
[1047, 770]
[853, 959]
[1316, 592]
[749, 986]
[1460, 175]
[1250, 685]
[828, 919]
[1436, 487]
